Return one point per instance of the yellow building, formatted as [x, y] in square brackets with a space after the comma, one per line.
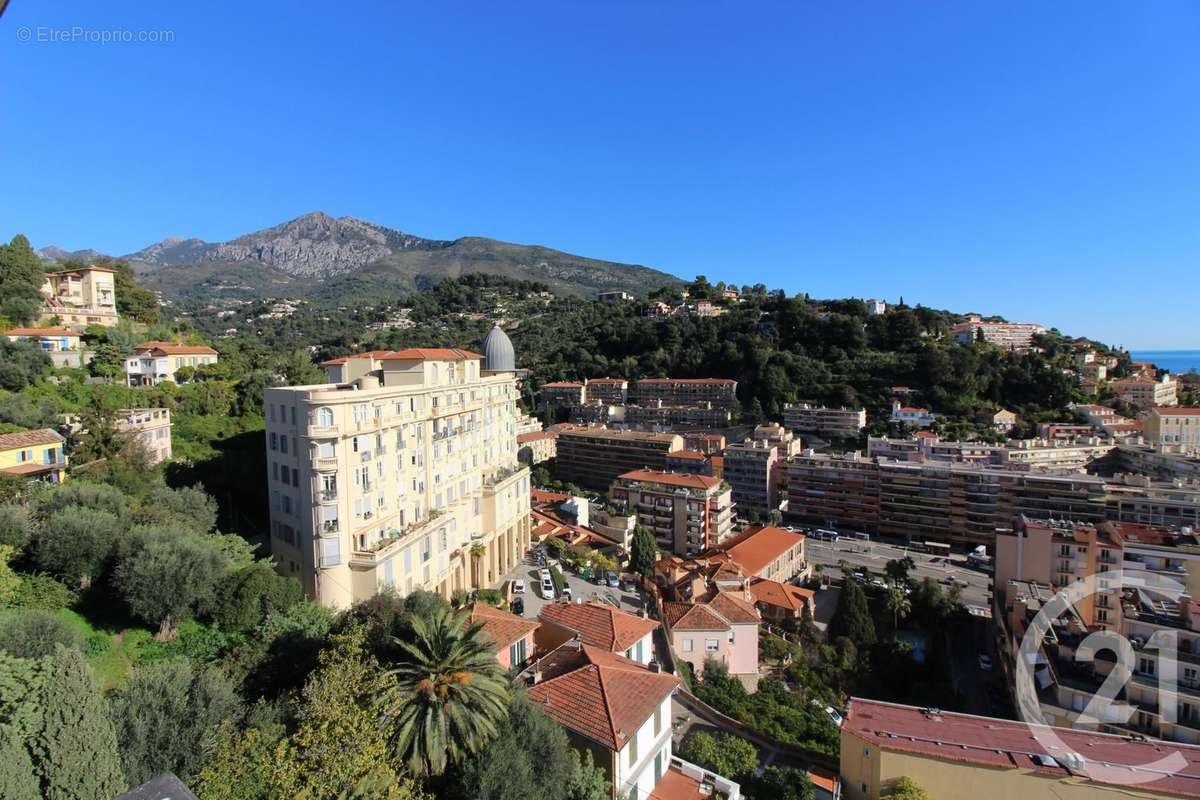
[37, 455]
[1176, 427]
[80, 297]
[400, 473]
[968, 757]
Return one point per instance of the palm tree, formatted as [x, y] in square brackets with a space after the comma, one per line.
[477, 552]
[449, 694]
[900, 606]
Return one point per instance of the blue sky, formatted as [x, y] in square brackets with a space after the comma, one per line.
[1037, 160]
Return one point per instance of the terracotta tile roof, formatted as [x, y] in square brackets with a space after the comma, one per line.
[173, 349]
[606, 433]
[599, 625]
[682, 479]
[535, 436]
[780, 595]
[501, 627]
[11, 441]
[607, 380]
[711, 381]
[694, 455]
[562, 385]
[674, 785]
[31, 469]
[371, 353]
[823, 779]
[548, 523]
[42, 332]
[1178, 411]
[757, 547]
[606, 699]
[693, 617]
[733, 607]
[542, 497]
[1004, 744]
[89, 268]
[431, 354]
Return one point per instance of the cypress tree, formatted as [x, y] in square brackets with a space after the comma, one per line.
[852, 617]
[75, 751]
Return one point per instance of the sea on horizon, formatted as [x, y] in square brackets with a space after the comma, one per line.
[1176, 361]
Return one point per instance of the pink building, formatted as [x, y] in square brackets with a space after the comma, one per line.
[511, 636]
[723, 628]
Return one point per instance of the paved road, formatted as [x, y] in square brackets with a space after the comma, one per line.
[580, 588]
[874, 555]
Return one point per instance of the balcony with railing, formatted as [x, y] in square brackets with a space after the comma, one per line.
[382, 548]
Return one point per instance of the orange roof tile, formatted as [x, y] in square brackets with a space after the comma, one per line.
[721, 381]
[694, 455]
[733, 607]
[535, 436]
[780, 595]
[755, 548]
[671, 478]
[562, 385]
[42, 332]
[173, 349]
[431, 354]
[11, 441]
[607, 698]
[501, 627]
[599, 625]
[372, 353]
[693, 617]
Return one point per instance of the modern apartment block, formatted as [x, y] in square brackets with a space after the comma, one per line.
[611, 391]
[687, 513]
[567, 394]
[656, 415]
[80, 297]
[1161, 569]
[940, 501]
[718, 392]
[1174, 426]
[959, 756]
[1147, 392]
[594, 457]
[1007, 335]
[834, 490]
[838, 423]
[403, 474]
[752, 470]
[155, 362]
[1058, 454]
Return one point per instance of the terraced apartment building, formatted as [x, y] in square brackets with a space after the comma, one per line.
[594, 457]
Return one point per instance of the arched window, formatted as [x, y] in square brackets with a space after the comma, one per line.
[325, 417]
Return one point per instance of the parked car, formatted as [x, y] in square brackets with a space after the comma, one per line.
[879, 583]
[517, 606]
[566, 593]
[985, 662]
[544, 574]
[519, 586]
[547, 588]
[830, 712]
[612, 579]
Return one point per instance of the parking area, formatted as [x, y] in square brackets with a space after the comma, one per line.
[628, 600]
[874, 555]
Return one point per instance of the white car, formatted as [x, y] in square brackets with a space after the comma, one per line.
[544, 574]
[519, 586]
[830, 712]
[547, 588]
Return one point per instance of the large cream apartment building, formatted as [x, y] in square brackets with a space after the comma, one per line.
[401, 473]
